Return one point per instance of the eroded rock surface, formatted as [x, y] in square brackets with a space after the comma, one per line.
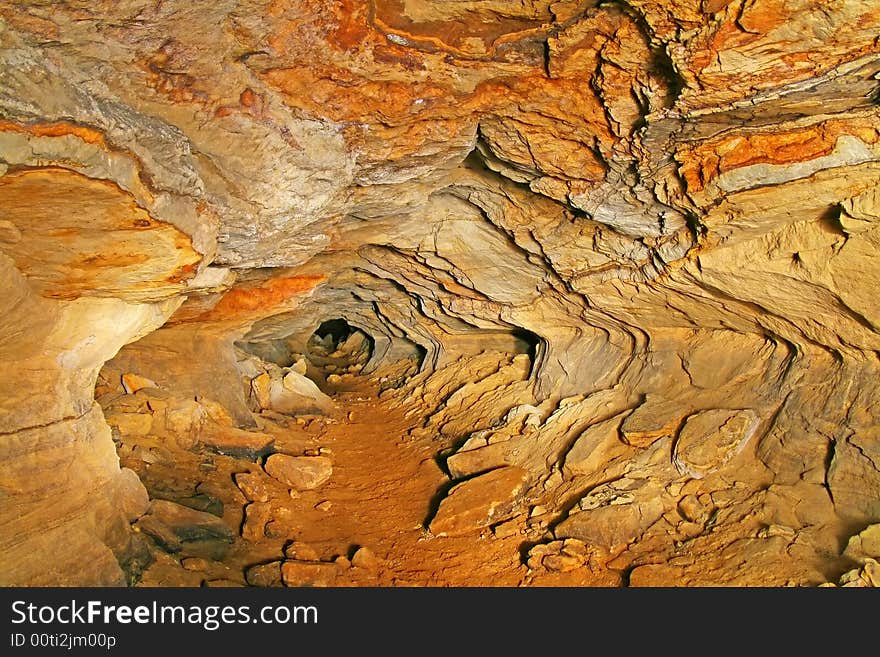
[615, 262]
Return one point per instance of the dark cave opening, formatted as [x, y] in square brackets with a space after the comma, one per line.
[337, 347]
[527, 343]
[338, 328]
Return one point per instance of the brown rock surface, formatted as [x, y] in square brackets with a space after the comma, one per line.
[299, 472]
[479, 502]
[605, 273]
[709, 439]
[180, 529]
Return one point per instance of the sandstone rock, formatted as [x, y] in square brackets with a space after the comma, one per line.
[299, 472]
[294, 393]
[364, 558]
[262, 389]
[156, 406]
[802, 504]
[301, 552]
[134, 501]
[754, 555]
[853, 475]
[656, 575]
[309, 573]
[710, 439]
[231, 441]
[777, 530]
[655, 418]
[559, 556]
[686, 530]
[616, 513]
[868, 576]
[595, 448]
[264, 574]
[202, 502]
[693, 509]
[216, 412]
[93, 502]
[864, 545]
[458, 179]
[255, 486]
[184, 419]
[282, 522]
[149, 455]
[131, 383]
[181, 530]
[195, 564]
[505, 529]
[479, 502]
[131, 424]
[175, 356]
[257, 516]
[468, 462]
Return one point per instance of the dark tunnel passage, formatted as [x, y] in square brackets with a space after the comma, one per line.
[337, 347]
[528, 343]
[338, 328]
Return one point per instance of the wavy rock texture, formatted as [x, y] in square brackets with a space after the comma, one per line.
[662, 215]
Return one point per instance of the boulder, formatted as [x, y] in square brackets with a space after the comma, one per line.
[709, 439]
[479, 502]
[299, 472]
[181, 530]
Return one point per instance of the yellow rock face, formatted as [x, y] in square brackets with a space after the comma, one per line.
[88, 237]
[653, 224]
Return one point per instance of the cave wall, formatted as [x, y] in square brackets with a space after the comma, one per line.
[678, 200]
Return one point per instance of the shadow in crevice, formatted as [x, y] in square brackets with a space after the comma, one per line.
[436, 499]
[337, 346]
[338, 330]
[526, 343]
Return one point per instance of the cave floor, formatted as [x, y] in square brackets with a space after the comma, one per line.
[366, 524]
[383, 488]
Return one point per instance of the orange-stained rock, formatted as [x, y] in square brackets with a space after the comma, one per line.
[709, 159]
[88, 135]
[253, 301]
[86, 237]
[751, 49]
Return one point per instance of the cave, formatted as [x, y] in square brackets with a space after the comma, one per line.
[337, 345]
[338, 330]
[545, 294]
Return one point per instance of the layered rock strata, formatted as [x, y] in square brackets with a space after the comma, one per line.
[662, 215]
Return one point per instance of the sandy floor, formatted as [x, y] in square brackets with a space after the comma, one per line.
[383, 489]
